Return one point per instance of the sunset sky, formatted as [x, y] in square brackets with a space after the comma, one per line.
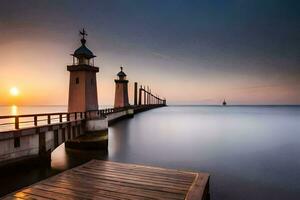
[189, 51]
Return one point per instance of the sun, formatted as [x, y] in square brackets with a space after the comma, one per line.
[14, 91]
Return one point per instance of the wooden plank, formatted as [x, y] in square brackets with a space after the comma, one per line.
[116, 184]
[105, 180]
[12, 198]
[24, 195]
[124, 188]
[44, 193]
[76, 193]
[141, 175]
[136, 179]
[139, 167]
[153, 171]
[199, 189]
[145, 187]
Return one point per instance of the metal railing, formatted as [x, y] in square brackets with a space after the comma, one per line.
[15, 122]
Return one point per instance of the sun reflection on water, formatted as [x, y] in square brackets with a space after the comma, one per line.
[14, 110]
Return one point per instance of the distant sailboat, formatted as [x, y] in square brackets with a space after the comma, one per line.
[224, 103]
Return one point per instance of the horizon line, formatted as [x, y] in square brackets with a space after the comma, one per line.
[53, 105]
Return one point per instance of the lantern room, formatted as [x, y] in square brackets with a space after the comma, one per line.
[82, 55]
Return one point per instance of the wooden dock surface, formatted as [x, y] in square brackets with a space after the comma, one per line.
[111, 180]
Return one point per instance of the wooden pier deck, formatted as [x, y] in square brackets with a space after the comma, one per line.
[111, 180]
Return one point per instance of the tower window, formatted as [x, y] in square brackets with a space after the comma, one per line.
[17, 142]
[77, 80]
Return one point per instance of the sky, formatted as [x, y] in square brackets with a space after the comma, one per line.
[188, 51]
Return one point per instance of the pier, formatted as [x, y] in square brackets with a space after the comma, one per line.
[26, 138]
[110, 180]
[34, 137]
[29, 139]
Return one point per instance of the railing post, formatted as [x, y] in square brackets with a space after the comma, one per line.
[75, 116]
[16, 122]
[144, 95]
[149, 96]
[60, 118]
[49, 119]
[152, 99]
[80, 115]
[35, 120]
[140, 96]
[68, 117]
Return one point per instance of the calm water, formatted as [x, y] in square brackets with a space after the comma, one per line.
[250, 152]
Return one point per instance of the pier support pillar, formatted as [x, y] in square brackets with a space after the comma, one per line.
[135, 93]
[95, 137]
[44, 153]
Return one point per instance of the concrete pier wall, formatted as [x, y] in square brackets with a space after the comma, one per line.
[35, 142]
[30, 146]
[114, 117]
[96, 125]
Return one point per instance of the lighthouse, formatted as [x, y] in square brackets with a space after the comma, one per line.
[121, 93]
[83, 82]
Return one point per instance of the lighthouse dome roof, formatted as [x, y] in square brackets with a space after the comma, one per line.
[83, 51]
[121, 73]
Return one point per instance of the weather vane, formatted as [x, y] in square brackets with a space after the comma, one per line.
[83, 33]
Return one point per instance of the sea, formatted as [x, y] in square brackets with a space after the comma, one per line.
[251, 152]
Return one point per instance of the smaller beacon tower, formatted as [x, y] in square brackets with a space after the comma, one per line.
[83, 83]
[121, 93]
